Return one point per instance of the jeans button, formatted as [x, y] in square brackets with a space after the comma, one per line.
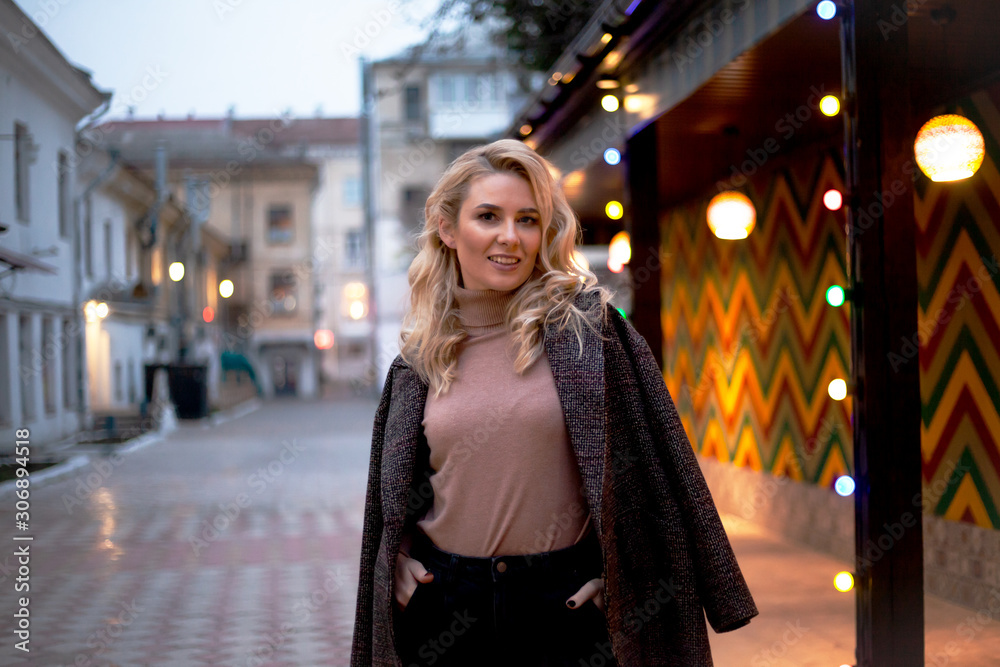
[501, 566]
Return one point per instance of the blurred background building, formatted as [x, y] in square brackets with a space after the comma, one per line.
[427, 105]
[43, 384]
[283, 198]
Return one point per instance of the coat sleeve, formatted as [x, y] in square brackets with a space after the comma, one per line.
[722, 588]
[361, 649]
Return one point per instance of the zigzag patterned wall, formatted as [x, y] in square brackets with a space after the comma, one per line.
[750, 343]
[958, 243]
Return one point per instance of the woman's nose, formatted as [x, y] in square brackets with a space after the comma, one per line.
[508, 232]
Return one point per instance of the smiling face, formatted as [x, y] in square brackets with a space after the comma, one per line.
[498, 234]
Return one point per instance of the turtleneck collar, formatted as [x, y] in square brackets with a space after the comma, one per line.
[482, 310]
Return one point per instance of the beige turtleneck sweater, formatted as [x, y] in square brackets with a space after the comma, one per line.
[505, 476]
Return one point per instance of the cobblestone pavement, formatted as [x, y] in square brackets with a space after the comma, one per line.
[232, 545]
[237, 545]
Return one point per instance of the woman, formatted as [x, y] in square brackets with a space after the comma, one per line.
[532, 496]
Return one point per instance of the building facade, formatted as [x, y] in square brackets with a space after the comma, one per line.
[427, 107]
[284, 193]
[42, 98]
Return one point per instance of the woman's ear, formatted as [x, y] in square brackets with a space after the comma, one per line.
[445, 232]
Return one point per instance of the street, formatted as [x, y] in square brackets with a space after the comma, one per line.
[237, 545]
[231, 545]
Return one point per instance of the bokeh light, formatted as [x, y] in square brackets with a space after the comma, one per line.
[843, 582]
[829, 105]
[837, 389]
[176, 271]
[844, 485]
[826, 10]
[949, 148]
[833, 199]
[835, 295]
[731, 215]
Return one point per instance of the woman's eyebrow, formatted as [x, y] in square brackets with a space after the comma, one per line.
[498, 208]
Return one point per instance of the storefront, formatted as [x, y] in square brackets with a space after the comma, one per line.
[810, 114]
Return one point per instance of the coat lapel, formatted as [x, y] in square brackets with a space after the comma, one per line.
[579, 382]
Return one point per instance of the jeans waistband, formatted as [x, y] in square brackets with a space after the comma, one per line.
[585, 554]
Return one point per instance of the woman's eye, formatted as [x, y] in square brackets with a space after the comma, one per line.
[529, 220]
[486, 216]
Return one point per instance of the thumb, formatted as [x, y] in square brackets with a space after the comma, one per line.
[422, 574]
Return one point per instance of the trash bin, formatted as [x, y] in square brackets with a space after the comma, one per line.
[189, 389]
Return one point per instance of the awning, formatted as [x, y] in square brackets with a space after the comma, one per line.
[18, 261]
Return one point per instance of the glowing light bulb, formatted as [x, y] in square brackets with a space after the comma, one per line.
[829, 105]
[833, 200]
[844, 485]
[176, 271]
[731, 215]
[835, 295]
[843, 582]
[949, 148]
[837, 390]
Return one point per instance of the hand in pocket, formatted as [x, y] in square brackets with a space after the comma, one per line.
[409, 574]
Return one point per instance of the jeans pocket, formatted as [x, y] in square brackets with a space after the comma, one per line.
[413, 597]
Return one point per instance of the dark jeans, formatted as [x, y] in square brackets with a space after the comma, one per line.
[504, 610]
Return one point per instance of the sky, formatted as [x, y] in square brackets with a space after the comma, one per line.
[261, 57]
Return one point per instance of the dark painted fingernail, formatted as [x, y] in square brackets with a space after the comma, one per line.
[571, 603]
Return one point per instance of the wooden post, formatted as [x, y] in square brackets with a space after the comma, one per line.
[643, 226]
[882, 266]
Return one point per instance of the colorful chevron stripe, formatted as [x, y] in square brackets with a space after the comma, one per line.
[750, 343]
[958, 242]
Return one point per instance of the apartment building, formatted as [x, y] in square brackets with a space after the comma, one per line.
[42, 99]
[286, 193]
[427, 106]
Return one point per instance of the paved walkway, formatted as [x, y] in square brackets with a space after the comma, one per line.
[238, 545]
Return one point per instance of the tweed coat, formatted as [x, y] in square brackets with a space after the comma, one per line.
[667, 560]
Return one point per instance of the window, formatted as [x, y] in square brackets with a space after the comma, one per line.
[412, 210]
[69, 371]
[118, 381]
[49, 348]
[412, 97]
[108, 248]
[23, 157]
[280, 228]
[131, 271]
[131, 382]
[447, 89]
[25, 368]
[486, 88]
[352, 192]
[354, 248]
[88, 236]
[65, 198]
[5, 393]
[283, 292]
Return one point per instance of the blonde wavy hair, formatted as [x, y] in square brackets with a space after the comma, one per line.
[431, 327]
